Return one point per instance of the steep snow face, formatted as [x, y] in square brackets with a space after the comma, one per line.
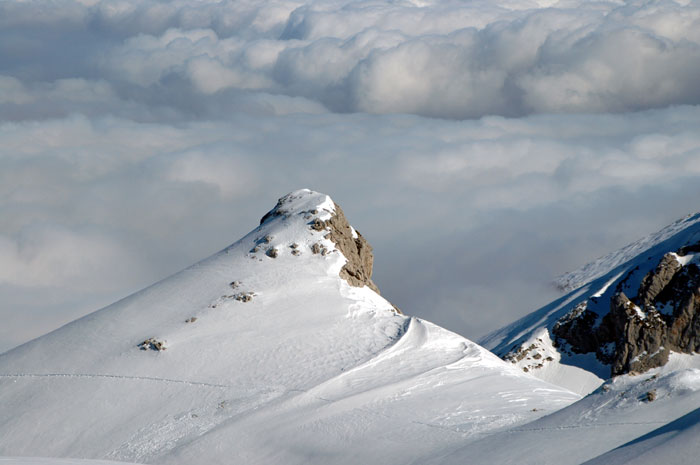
[261, 353]
[635, 307]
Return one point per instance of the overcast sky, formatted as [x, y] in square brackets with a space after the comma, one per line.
[482, 147]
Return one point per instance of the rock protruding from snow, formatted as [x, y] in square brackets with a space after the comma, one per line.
[358, 269]
[664, 316]
[656, 281]
[630, 312]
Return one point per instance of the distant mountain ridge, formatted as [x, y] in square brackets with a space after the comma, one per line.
[630, 309]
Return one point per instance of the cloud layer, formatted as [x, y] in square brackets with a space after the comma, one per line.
[447, 59]
[477, 216]
[137, 137]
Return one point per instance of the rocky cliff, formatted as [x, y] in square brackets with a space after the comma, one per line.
[638, 332]
[630, 311]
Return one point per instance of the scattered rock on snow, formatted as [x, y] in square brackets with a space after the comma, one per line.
[153, 344]
[243, 296]
[650, 396]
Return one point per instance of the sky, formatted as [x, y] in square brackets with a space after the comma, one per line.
[482, 147]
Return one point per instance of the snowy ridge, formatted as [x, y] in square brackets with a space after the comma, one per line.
[261, 353]
[602, 266]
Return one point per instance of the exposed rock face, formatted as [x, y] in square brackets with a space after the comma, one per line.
[654, 283]
[577, 329]
[638, 333]
[358, 269]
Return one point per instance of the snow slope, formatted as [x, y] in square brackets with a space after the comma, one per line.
[675, 442]
[269, 357]
[618, 423]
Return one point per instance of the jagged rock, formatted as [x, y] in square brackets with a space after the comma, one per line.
[641, 336]
[655, 281]
[272, 253]
[358, 269]
[577, 329]
[638, 336]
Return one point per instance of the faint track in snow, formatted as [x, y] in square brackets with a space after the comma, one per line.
[123, 377]
[589, 425]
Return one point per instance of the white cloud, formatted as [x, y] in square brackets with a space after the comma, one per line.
[443, 58]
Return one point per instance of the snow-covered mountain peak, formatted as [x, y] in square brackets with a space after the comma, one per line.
[304, 211]
[300, 202]
[275, 350]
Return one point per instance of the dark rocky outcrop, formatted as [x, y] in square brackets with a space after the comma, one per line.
[577, 329]
[656, 281]
[638, 333]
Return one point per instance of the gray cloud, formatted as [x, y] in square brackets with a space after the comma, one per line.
[442, 59]
[470, 220]
[138, 137]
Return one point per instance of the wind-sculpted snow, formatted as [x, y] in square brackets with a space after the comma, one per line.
[306, 369]
[614, 424]
[447, 59]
